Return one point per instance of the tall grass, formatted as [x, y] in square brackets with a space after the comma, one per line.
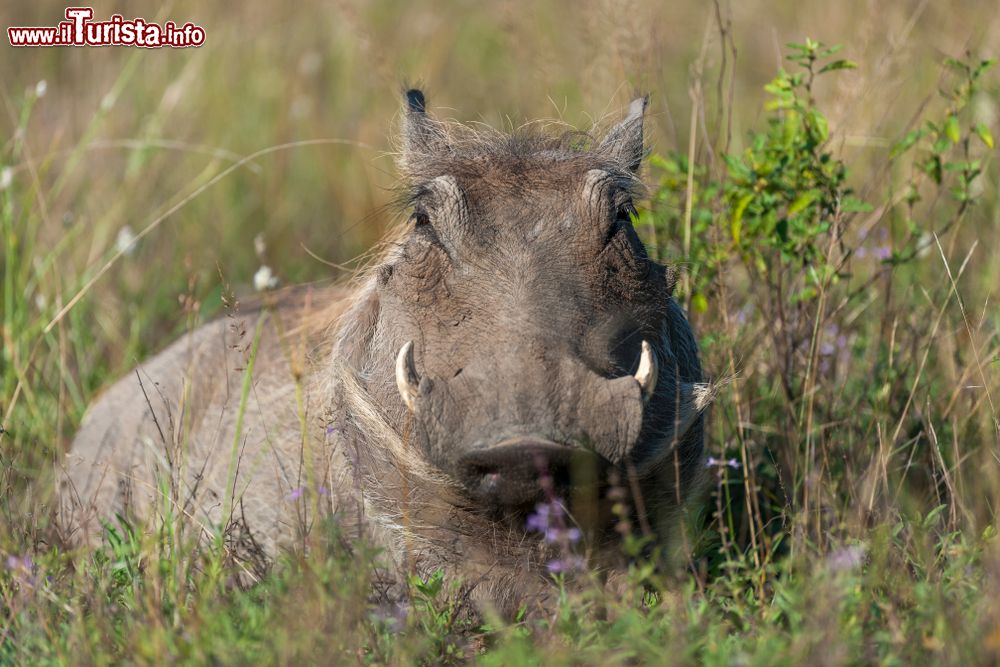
[837, 233]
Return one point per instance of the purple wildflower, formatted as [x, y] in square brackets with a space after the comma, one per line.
[571, 563]
[23, 570]
[880, 252]
[539, 520]
[23, 564]
[393, 615]
[847, 558]
[743, 314]
[295, 494]
[555, 535]
[549, 520]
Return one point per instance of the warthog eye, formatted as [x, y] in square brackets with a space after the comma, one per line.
[420, 218]
[422, 226]
[626, 213]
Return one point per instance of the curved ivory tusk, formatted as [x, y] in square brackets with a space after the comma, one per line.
[648, 371]
[406, 376]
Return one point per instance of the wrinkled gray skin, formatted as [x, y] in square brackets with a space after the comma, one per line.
[526, 294]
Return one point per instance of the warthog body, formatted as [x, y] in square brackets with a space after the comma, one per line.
[513, 344]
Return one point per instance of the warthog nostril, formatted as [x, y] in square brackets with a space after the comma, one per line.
[519, 471]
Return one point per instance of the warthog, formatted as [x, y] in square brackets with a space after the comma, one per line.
[514, 344]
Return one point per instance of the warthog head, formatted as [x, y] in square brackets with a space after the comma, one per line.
[530, 335]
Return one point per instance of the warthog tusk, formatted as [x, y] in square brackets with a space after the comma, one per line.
[406, 376]
[648, 371]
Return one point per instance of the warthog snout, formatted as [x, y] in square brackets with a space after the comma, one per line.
[593, 422]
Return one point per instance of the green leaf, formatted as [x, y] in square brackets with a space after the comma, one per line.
[906, 143]
[699, 302]
[804, 201]
[984, 134]
[660, 162]
[855, 205]
[736, 220]
[983, 66]
[806, 294]
[819, 124]
[951, 129]
[839, 64]
[933, 515]
[955, 64]
[932, 167]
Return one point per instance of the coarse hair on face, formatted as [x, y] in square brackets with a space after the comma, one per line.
[428, 147]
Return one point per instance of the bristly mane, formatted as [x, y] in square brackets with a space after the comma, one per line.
[476, 151]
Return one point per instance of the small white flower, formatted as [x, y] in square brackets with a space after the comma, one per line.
[108, 101]
[259, 245]
[40, 301]
[6, 177]
[925, 242]
[264, 279]
[310, 63]
[301, 106]
[41, 87]
[125, 242]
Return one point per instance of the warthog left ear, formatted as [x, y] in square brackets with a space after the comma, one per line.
[422, 134]
[624, 142]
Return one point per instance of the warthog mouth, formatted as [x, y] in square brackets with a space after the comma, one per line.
[520, 471]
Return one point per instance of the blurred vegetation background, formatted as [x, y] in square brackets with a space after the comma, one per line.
[268, 75]
[861, 420]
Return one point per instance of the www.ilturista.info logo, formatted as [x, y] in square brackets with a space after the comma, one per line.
[79, 30]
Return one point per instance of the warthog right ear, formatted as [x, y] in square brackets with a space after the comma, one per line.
[624, 142]
[422, 134]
